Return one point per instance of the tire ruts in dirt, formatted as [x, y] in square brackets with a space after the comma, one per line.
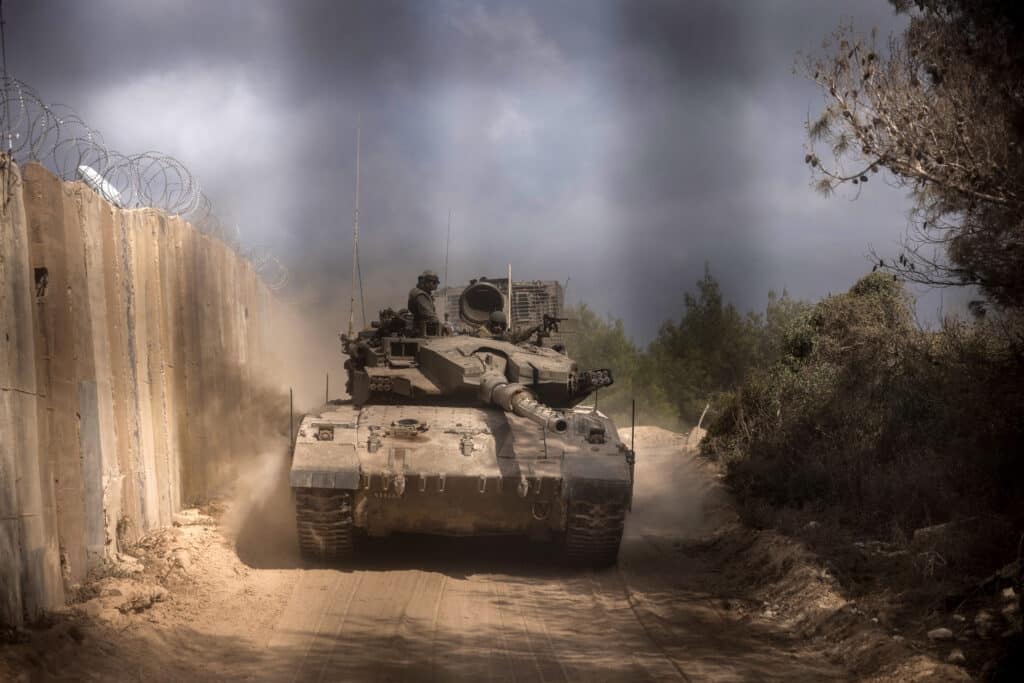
[324, 522]
[594, 532]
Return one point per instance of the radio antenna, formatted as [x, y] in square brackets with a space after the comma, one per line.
[355, 248]
[508, 303]
[447, 246]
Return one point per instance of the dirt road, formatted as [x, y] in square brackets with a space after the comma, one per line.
[530, 624]
[245, 608]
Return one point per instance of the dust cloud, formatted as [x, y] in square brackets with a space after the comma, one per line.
[261, 515]
[302, 340]
[675, 492]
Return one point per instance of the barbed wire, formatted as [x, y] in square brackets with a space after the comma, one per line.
[268, 267]
[55, 136]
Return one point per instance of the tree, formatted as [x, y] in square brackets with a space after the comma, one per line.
[710, 350]
[602, 343]
[942, 111]
[598, 342]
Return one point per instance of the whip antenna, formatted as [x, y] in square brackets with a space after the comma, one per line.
[355, 249]
[447, 246]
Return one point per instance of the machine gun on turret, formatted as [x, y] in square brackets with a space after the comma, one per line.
[545, 328]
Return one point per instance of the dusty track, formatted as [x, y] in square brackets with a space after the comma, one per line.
[458, 609]
[394, 623]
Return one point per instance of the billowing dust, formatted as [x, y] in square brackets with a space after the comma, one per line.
[675, 492]
[261, 515]
[303, 341]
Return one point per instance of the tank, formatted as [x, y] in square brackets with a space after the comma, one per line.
[449, 431]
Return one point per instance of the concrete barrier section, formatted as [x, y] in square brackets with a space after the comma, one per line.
[29, 560]
[130, 346]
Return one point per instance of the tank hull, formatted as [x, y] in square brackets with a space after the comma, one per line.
[451, 470]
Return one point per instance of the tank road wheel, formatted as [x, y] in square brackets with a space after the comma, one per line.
[593, 533]
[324, 518]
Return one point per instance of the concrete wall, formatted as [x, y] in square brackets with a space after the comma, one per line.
[130, 348]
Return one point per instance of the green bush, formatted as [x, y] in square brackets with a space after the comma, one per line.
[597, 342]
[879, 422]
[692, 363]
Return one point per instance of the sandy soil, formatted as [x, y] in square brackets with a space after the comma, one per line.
[695, 597]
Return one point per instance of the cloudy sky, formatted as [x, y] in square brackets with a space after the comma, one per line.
[617, 145]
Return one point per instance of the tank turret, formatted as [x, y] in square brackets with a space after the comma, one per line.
[395, 362]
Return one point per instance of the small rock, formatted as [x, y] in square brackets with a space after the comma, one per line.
[1011, 613]
[956, 657]
[111, 615]
[940, 634]
[21, 636]
[130, 564]
[143, 599]
[898, 638]
[192, 517]
[811, 525]
[769, 614]
[1009, 594]
[93, 609]
[984, 624]
[874, 620]
[959, 618]
[181, 558]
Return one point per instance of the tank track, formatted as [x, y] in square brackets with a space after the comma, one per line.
[593, 533]
[325, 526]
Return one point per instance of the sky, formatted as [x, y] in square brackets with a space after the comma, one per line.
[616, 146]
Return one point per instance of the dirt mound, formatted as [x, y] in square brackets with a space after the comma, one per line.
[117, 598]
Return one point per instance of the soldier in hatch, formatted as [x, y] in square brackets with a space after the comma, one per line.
[421, 300]
[496, 326]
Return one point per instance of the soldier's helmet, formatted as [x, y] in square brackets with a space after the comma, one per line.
[498, 319]
[429, 276]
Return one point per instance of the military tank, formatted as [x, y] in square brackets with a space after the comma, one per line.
[462, 434]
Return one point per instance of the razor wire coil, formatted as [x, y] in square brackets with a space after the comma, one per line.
[55, 136]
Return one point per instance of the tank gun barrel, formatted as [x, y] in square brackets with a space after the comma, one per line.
[515, 398]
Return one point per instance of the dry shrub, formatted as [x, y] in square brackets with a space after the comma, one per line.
[879, 424]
